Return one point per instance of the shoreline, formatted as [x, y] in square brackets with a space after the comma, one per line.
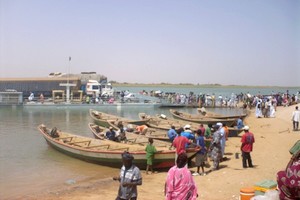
[187, 85]
[273, 138]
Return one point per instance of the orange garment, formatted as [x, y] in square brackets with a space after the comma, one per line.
[141, 128]
[226, 131]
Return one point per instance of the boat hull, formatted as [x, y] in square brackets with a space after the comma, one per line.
[111, 158]
[202, 120]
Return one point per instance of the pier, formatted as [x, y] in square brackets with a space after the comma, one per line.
[11, 98]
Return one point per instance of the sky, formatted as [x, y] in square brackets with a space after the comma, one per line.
[228, 42]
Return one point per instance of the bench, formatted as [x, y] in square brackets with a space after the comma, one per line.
[125, 148]
[101, 145]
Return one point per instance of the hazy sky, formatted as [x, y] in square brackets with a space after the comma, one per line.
[241, 42]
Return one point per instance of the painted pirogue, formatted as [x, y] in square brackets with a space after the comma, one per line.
[106, 152]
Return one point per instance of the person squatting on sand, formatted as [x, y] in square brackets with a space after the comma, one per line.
[180, 183]
[247, 146]
[129, 178]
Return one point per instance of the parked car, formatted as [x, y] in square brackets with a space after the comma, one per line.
[131, 97]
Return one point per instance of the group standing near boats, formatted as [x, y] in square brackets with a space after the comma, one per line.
[117, 134]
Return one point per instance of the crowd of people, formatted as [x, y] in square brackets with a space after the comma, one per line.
[210, 142]
[180, 184]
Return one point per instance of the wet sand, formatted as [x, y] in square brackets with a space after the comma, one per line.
[274, 137]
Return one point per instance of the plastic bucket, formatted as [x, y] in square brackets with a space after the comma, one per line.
[246, 193]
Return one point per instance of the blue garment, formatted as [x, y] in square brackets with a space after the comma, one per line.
[240, 124]
[200, 142]
[172, 134]
[111, 135]
[188, 135]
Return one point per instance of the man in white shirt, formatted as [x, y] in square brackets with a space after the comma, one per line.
[295, 119]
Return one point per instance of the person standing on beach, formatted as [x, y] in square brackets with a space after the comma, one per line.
[180, 183]
[150, 151]
[129, 178]
[247, 146]
[296, 118]
[223, 138]
[258, 107]
[215, 148]
[201, 154]
[180, 143]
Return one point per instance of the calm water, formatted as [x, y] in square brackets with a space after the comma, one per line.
[28, 165]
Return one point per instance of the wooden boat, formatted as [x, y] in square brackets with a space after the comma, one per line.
[202, 111]
[164, 123]
[154, 133]
[101, 118]
[106, 152]
[198, 119]
[131, 137]
[234, 131]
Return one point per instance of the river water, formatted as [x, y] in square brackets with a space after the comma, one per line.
[29, 166]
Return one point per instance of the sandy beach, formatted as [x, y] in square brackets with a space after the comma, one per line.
[274, 137]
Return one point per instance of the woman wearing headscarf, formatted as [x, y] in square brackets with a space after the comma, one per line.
[216, 148]
[289, 180]
[180, 183]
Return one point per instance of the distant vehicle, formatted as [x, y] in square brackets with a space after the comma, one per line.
[56, 74]
[10, 90]
[93, 87]
[131, 97]
[107, 90]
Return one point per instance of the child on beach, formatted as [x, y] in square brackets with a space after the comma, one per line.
[201, 154]
[150, 151]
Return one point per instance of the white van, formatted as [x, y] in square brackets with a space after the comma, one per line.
[93, 87]
[107, 90]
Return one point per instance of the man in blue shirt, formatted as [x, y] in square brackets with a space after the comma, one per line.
[172, 133]
[111, 134]
[240, 123]
[187, 132]
[201, 154]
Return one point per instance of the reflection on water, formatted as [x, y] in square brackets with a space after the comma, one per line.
[28, 165]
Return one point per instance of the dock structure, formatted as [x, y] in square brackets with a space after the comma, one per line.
[11, 98]
[37, 85]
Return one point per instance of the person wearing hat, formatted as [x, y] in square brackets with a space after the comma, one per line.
[111, 134]
[188, 132]
[247, 146]
[130, 177]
